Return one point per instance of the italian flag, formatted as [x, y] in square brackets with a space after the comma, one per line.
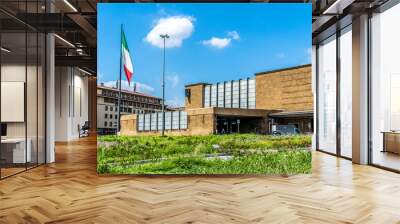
[126, 58]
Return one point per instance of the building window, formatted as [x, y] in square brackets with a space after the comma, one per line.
[228, 94]
[105, 115]
[243, 93]
[105, 123]
[214, 95]
[111, 108]
[385, 88]
[153, 125]
[346, 92]
[175, 120]
[252, 93]
[140, 122]
[106, 108]
[147, 122]
[221, 94]
[111, 124]
[116, 116]
[235, 94]
[327, 95]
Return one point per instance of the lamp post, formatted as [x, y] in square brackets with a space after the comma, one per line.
[164, 36]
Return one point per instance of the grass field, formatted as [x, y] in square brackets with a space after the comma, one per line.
[213, 154]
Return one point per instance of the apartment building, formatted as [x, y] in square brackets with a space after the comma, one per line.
[357, 82]
[131, 103]
[257, 104]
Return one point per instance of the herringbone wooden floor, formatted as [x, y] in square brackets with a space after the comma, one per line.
[70, 191]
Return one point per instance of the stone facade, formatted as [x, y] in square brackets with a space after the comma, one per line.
[195, 100]
[202, 121]
[286, 89]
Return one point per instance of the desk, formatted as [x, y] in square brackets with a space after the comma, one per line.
[13, 150]
[391, 141]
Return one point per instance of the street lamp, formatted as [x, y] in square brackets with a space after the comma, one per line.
[164, 36]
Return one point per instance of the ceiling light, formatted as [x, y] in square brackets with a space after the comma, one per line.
[70, 5]
[5, 50]
[64, 40]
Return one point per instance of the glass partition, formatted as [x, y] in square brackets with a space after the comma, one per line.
[327, 95]
[31, 98]
[385, 89]
[346, 92]
[22, 100]
[41, 96]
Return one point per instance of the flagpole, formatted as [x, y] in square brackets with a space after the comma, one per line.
[120, 84]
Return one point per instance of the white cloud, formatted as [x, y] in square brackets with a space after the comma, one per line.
[234, 35]
[140, 87]
[173, 79]
[217, 42]
[178, 28]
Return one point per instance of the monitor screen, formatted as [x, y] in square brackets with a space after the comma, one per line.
[3, 129]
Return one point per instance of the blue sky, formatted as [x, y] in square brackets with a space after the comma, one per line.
[209, 42]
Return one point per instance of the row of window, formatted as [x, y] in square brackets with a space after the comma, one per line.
[174, 120]
[231, 94]
[109, 124]
[111, 116]
[106, 116]
[131, 97]
[134, 104]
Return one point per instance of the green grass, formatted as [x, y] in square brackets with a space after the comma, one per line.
[248, 153]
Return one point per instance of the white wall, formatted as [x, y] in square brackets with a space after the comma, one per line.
[71, 103]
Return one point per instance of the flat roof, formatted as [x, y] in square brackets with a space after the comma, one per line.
[287, 114]
[239, 112]
[283, 69]
[197, 83]
[126, 91]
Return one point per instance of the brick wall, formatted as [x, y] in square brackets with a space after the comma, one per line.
[200, 122]
[196, 96]
[286, 89]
